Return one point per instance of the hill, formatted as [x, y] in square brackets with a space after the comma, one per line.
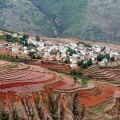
[95, 20]
[22, 15]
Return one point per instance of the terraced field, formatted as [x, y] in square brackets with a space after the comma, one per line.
[97, 95]
[63, 68]
[22, 79]
[111, 75]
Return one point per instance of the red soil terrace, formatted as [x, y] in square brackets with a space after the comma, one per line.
[98, 95]
[23, 79]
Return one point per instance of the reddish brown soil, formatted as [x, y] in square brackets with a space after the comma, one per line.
[93, 91]
[59, 68]
[91, 97]
[36, 79]
[93, 100]
[17, 80]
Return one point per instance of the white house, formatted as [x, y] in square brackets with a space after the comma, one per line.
[73, 66]
[63, 55]
[33, 50]
[73, 44]
[1, 45]
[46, 55]
[15, 35]
[83, 52]
[15, 49]
[20, 36]
[41, 44]
[96, 49]
[62, 49]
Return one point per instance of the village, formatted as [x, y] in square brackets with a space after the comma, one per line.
[74, 54]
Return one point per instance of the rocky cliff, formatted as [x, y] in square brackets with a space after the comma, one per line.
[41, 106]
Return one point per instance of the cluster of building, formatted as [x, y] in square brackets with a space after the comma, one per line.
[48, 51]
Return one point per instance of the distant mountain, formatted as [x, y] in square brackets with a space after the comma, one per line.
[96, 20]
[22, 15]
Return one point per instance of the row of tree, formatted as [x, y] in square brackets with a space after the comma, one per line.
[13, 59]
[77, 76]
[23, 40]
[100, 57]
[83, 64]
[71, 51]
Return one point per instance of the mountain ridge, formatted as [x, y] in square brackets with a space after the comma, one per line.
[95, 20]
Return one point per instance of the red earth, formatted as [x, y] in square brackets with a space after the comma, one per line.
[27, 79]
[91, 97]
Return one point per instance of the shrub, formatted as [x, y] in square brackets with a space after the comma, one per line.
[84, 65]
[73, 72]
[71, 51]
[100, 57]
[37, 38]
[4, 116]
[75, 79]
[84, 81]
[112, 58]
[67, 60]
[80, 62]
[37, 101]
[31, 54]
[13, 59]
[89, 62]
[86, 45]
[107, 56]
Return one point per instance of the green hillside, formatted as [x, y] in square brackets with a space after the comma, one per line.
[96, 20]
[22, 15]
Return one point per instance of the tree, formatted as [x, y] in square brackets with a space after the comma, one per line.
[37, 38]
[33, 57]
[26, 43]
[89, 62]
[84, 65]
[80, 62]
[71, 51]
[67, 60]
[75, 79]
[25, 37]
[86, 45]
[100, 57]
[73, 72]
[8, 36]
[112, 58]
[107, 56]
[16, 57]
